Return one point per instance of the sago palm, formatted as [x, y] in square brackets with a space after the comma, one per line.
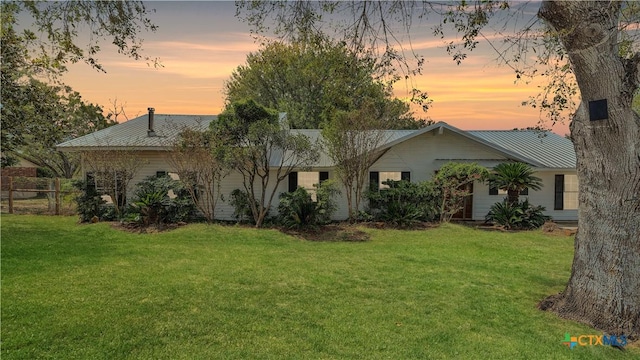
[514, 177]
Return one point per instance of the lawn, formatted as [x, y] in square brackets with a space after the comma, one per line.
[74, 291]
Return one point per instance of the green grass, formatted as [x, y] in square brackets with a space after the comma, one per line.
[212, 292]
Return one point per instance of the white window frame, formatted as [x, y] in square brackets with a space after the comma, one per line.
[388, 175]
[570, 193]
[307, 180]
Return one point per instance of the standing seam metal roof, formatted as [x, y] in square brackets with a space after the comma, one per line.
[540, 149]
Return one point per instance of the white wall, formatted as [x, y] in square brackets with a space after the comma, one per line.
[482, 201]
[421, 155]
[424, 154]
[154, 161]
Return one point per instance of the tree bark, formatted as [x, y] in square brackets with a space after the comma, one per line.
[604, 288]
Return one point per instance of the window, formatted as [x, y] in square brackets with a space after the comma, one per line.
[307, 180]
[570, 196]
[376, 178]
[496, 191]
[388, 175]
[566, 192]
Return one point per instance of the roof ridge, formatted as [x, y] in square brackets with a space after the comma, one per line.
[514, 130]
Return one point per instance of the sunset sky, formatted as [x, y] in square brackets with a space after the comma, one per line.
[200, 43]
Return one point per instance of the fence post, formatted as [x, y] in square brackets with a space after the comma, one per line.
[57, 195]
[10, 194]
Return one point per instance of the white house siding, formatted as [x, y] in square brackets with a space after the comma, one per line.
[547, 195]
[482, 201]
[154, 161]
[224, 210]
[424, 154]
[421, 156]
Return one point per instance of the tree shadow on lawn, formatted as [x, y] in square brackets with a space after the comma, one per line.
[332, 232]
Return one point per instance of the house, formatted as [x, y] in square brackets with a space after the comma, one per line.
[415, 155]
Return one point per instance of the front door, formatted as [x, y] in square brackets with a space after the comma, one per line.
[467, 212]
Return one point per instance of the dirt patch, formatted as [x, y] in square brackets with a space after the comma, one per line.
[384, 225]
[141, 229]
[331, 232]
[38, 206]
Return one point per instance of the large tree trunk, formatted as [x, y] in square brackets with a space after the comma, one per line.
[604, 288]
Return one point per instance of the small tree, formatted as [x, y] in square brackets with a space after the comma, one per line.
[258, 146]
[195, 157]
[113, 170]
[454, 181]
[352, 140]
[514, 178]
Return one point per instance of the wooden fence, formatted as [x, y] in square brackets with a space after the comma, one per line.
[13, 185]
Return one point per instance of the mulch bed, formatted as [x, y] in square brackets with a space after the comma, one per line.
[332, 232]
[141, 229]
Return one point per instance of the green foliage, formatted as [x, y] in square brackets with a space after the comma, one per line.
[514, 177]
[60, 29]
[297, 209]
[521, 215]
[151, 207]
[44, 172]
[405, 203]
[154, 205]
[454, 180]
[7, 160]
[326, 205]
[37, 115]
[312, 77]
[257, 145]
[89, 203]
[240, 202]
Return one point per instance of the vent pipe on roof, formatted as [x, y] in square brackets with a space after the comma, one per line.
[150, 131]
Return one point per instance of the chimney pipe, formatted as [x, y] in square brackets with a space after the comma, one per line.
[151, 132]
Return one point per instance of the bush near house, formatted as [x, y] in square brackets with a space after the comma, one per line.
[241, 208]
[405, 203]
[90, 204]
[160, 200]
[297, 209]
[518, 216]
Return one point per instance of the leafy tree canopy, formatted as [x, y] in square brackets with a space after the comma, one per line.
[38, 110]
[311, 78]
[257, 145]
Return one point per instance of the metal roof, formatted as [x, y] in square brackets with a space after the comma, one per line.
[133, 133]
[539, 149]
[315, 136]
[549, 149]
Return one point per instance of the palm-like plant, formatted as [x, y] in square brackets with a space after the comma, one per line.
[514, 177]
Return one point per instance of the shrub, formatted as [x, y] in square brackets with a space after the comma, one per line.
[326, 205]
[521, 215]
[90, 203]
[43, 172]
[404, 203]
[241, 208]
[455, 181]
[154, 205]
[297, 209]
